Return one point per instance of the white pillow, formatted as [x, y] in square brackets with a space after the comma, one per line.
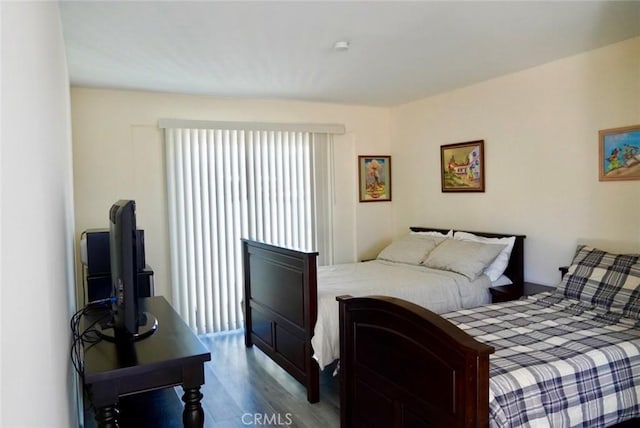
[498, 266]
[449, 234]
[411, 249]
[464, 257]
[503, 280]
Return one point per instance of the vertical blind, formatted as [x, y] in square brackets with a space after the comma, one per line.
[228, 184]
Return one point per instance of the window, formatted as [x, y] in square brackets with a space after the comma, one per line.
[225, 184]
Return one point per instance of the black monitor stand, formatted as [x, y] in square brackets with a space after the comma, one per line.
[147, 326]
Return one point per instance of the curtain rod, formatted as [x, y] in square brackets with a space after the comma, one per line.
[325, 128]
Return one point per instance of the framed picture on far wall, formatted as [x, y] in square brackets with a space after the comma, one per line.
[462, 167]
[619, 153]
[375, 178]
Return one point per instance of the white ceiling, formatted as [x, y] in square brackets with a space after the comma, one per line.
[399, 51]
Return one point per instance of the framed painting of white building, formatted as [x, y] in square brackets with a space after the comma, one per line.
[462, 166]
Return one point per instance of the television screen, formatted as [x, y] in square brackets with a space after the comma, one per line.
[124, 269]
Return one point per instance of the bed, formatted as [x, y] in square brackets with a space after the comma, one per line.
[284, 305]
[565, 358]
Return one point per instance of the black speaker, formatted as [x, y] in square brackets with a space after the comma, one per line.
[99, 286]
[98, 258]
[98, 265]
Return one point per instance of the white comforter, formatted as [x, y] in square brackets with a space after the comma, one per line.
[437, 290]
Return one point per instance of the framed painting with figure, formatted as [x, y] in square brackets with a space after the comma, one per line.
[619, 153]
[374, 178]
[462, 167]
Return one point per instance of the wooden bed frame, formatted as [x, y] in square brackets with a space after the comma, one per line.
[280, 303]
[402, 365]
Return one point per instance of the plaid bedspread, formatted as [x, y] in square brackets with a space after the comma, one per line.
[558, 363]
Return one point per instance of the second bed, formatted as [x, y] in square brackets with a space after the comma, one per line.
[290, 309]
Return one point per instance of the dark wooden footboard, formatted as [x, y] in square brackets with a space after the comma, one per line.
[402, 365]
[280, 308]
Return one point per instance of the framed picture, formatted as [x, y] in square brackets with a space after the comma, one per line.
[462, 167]
[374, 178]
[619, 153]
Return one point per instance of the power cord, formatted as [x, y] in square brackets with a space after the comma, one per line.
[86, 338]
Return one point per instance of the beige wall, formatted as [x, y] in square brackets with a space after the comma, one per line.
[38, 383]
[540, 128]
[118, 153]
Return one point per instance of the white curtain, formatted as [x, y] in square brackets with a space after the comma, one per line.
[227, 184]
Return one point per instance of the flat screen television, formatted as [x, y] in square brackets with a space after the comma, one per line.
[129, 322]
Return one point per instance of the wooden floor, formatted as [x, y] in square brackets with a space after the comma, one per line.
[243, 387]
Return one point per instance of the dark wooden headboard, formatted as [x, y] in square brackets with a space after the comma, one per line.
[515, 268]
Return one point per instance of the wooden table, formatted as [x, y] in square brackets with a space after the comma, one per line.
[172, 356]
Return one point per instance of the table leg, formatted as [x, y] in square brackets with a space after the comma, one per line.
[107, 416]
[193, 415]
